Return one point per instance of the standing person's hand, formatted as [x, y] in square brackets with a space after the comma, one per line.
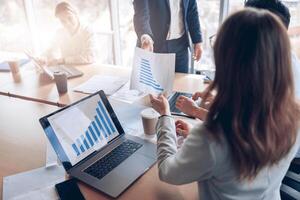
[160, 104]
[182, 128]
[197, 51]
[147, 43]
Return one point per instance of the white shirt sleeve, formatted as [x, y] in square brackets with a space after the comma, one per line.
[86, 55]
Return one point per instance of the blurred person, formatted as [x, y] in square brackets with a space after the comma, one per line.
[75, 41]
[245, 145]
[164, 26]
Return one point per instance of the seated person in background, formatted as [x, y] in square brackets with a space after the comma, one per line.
[188, 106]
[75, 41]
[245, 145]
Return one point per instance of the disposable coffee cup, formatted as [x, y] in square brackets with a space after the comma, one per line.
[149, 119]
[61, 82]
[14, 66]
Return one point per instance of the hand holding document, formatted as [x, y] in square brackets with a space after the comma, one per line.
[153, 72]
[109, 84]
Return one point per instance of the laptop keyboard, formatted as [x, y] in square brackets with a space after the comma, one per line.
[111, 160]
[173, 99]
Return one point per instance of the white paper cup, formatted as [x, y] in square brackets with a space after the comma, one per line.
[149, 119]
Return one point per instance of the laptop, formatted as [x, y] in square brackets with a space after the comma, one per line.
[93, 147]
[172, 102]
[71, 72]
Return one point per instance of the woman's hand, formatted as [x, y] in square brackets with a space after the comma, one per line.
[201, 95]
[182, 128]
[186, 105]
[160, 104]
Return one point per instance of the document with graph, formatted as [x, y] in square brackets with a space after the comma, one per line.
[91, 129]
[153, 72]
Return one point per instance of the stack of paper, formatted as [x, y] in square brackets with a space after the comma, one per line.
[109, 84]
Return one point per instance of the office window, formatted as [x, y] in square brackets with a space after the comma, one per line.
[94, 13]
[294, 29]
[209, 11]
[128, 35]
[235, 5]
[12, 23]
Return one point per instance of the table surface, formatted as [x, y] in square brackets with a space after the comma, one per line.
[39, 87]
[27, 137]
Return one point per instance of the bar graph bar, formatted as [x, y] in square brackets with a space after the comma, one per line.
[100, 126]
[80, 145]
[146, 76]
[112, 128]
[87, 135]
[103, 121]
[76, 149]
[87, 146]
[99, 130]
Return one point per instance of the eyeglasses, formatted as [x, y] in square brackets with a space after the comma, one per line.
[212, 40]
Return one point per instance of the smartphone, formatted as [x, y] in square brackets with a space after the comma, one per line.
[69, 190]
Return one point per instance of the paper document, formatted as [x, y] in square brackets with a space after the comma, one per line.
[35, 184]
[126, 95]
[130, 118]
[51, 157]
[110, 84]
[152, 72]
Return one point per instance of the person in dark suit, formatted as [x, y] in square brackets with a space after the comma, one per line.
[164, 26]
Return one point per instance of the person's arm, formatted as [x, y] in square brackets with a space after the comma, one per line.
[190, 107]
[87, 55]
[141, 19]
[193, 22]
[194, 161]
[194, 29]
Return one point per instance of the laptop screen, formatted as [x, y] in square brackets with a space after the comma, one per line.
[82, 128]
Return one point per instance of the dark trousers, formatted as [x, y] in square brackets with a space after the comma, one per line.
[180, 48]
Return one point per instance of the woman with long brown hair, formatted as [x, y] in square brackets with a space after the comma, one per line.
[244, 147]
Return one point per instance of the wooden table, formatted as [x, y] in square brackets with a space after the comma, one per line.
[39, 88]
[23, 147]
[7, 78]
[22, 140]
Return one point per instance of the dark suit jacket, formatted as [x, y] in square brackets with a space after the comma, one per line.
[152, 17]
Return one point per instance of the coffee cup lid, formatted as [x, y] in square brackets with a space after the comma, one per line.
[59, 73]
[149, 113]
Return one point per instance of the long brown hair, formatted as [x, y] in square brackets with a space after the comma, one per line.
[255, 104]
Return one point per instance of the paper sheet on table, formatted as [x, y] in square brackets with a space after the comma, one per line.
[110, 84]
[35, 184]
[127, 95]
[129, 116]
[153, 72]
[51, 157]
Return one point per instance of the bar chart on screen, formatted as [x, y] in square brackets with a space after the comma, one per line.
[100, 130]
[84, 128]
[146, 76]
